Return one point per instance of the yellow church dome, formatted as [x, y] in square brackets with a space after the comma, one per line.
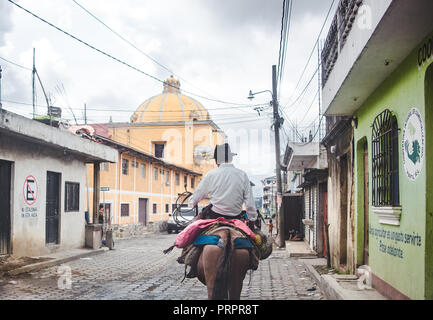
[170, 106]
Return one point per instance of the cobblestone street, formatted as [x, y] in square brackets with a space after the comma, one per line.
[137, 269]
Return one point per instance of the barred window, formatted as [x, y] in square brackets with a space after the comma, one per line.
[159, 150]
[125, 164]
[124, 209]
[385, 180]
[72, 196]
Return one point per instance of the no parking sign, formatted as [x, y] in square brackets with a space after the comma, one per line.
[30, 195]
[30, 190]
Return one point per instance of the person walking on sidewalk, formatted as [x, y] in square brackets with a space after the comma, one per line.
[270, 227]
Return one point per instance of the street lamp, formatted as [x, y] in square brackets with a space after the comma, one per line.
[251, 95]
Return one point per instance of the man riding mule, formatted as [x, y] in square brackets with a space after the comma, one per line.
[218, 246]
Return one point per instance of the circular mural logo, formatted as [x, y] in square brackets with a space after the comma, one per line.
[412, 144]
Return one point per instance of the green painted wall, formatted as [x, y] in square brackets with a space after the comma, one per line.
[401, 92]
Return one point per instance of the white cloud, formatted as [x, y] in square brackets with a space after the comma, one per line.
[223, 48]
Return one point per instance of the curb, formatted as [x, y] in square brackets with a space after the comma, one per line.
[145, 235]
[50, 263]
[328, 284]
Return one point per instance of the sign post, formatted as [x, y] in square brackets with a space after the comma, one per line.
[108, 233]
[104, 189]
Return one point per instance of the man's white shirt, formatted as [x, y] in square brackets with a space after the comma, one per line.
[227, 189]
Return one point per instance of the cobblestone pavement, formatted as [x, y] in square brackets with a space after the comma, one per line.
[137, 269]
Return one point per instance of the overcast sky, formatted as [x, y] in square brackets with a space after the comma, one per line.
[219, 49]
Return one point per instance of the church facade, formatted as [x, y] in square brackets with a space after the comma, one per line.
[164, 150]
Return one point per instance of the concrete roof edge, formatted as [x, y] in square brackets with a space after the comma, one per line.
[36, 131]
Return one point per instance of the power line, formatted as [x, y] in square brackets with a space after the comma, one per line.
[217, 118]
[135, 47]
[309, 108]
[282, 38]
[312, 51]
[117, 59]
[317, 131]
[285, 32]
[15, 64]
[301, 95]
[135, 110]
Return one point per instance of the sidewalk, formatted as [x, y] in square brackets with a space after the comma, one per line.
[339, 287]
[299, 249]
[49, 260]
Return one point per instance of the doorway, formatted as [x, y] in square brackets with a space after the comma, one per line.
[343, 209]
[52, 208]
[5, 207]
[366, 205]
[142, 211]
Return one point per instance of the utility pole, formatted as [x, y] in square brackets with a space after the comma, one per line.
[85, 114]
[1, 88]
[33, 83]
[319, 75]
[277, 123]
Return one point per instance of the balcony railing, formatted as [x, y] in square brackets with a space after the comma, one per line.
[340, 28]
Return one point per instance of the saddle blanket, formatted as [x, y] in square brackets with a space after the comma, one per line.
[240, 243]
[190, 233]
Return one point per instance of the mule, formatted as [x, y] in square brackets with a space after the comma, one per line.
[223, 270]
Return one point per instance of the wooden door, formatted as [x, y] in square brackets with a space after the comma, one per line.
[52, 208]
[142, 211]
[5, 207]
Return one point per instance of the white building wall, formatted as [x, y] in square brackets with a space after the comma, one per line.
[363, 28]
[28, 220]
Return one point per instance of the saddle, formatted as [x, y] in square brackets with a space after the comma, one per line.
[191, 253]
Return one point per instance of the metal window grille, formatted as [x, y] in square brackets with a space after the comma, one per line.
[124, 210]
[125, 168]
[72, 196]
[159, 150]
[385, 182]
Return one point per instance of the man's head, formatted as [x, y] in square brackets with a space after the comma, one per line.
[223, 154]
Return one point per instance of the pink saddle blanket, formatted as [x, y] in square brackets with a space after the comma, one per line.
[188, 235]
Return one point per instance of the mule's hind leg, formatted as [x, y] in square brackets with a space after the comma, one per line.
[208, 267]
[240, 263]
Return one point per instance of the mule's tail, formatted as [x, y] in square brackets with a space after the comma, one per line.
[220, 289]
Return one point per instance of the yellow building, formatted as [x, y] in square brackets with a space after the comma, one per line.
[168, 143]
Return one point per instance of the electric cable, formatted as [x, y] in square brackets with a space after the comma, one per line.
[117, 59]
[135, 47]
[313, 50]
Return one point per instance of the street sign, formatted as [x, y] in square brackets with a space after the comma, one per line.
[105, 189]
[30, 190]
